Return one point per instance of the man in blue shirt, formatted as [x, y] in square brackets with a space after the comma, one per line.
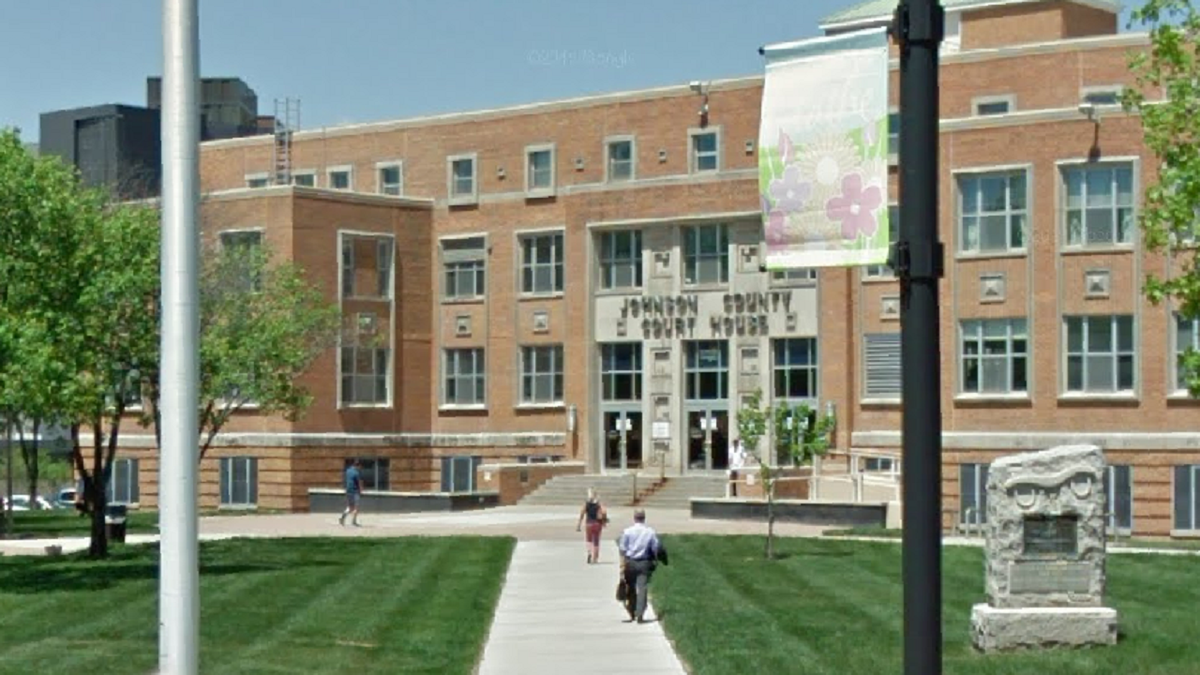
[640, 551]
[353, 492]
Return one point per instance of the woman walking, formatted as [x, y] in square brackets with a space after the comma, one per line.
[595, 515]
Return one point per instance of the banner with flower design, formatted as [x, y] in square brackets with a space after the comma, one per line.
[823, 151]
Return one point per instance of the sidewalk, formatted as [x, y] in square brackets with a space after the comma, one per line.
[557, 614]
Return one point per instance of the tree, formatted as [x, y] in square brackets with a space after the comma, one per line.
[1170, 70]
[800, 435]
[261, 327]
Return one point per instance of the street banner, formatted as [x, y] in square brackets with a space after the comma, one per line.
[823, 151]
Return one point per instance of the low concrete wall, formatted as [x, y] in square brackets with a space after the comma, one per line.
[790, 482]
[323, 500]
[830, 513]
[512, 481]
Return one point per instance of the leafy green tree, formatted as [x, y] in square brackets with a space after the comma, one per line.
[1168, 103]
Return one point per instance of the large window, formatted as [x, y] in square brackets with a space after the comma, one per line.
[1100, 354]
[707, 370]
[882, 352]
[1099, 205]
[705, 151]
[464, 263]
[972, 483]
[621, 259]
[883, 271]
[239, 481]
[123, 482]
[374, 471]
[995, 356]
[1118, 487]
[1186, 501]
[458, 473]
[539, 169]
[621, 371]
[993, 212]
[365, 374]
[542, 263]
[464, 379]
[795, 368]
[1187, 336]
[367, 266]
[542, 374]
[620, 160]
[706, 254]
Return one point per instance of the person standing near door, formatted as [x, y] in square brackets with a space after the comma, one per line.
[737, 460]
[596, 516]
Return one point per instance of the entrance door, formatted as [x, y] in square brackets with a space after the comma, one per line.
[708, 440]
[623, 439]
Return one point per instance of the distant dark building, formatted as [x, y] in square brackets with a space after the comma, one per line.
[228, 106]
[113, 146]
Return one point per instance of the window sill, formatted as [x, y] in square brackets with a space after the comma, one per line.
[1096, 248]
[615, 292]
[1090, 397]
[879, 279]
[963, 256]
[367, 298]
[795, 283]
[1185, 534]
[364, 406]
[558, 405]
[475, 300]
[474, 407]
[1181, 397]
[471, 200]
[552, 295]
[700, 288]
[237, 507]
[541, 193]
[1022, 397]
[879, 401]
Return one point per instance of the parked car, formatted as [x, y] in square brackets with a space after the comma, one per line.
[21, 503]
[66, 498]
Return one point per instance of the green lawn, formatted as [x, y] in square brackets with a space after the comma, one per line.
[410, 605]
[68, 523]
[835, 607]
[1123, 541]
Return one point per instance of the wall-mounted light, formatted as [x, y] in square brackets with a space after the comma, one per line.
[830, 409]
[500, 172]
[1088, 110]
[572, 415]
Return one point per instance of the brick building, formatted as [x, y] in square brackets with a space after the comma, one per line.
[582, 279]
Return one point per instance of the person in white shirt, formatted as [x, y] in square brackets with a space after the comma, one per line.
[737, 460]
[640, 552]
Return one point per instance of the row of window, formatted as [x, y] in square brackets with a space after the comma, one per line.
[706, 372]
[994, 356]
[984, 106]
[462, 179]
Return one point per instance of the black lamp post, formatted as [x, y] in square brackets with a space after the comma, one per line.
[918, 261]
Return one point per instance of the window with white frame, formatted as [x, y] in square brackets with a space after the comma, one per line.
[994, 356]
[241, 244]
[464, 265]
[795, 368]
[340, 178]
[1098, 210]
[542, 374]
[1186, 497]
[620, 160]
[621, 371]
[375, 472]
[706, 151]
[972, 496]
[464, 379]
[458, 473]
[794, 275]
[880, 465]
[384, 267]
[1187, 336]
[882, 358]
[706, 370]
[304, 179]
[1118, 487]
[883, 271]
[258, 180]
[621, 259]
[365, 372]
[122, 485]
[992, 106]
[462, 178]
[706, 254]
[390, 178]
[993, 211]
[367, 265]
[1100, 353]
[238, 477]
[539, 169]
[542, 263]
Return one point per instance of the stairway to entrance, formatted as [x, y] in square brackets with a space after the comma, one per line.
[617, 490]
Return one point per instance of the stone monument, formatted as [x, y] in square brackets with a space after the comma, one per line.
[1045, 551]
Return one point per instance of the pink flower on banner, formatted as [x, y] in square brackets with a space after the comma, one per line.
[785, 147]
[790, 192]
[776, 224]
[856, 207]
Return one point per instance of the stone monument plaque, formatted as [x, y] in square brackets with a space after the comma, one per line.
[1045, 557]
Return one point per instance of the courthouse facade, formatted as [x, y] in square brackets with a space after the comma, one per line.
[584, 280]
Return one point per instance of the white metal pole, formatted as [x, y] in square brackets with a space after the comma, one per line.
[179, 574]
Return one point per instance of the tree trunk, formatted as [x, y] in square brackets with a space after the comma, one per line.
[770, 488]
[98, 486]
[29, 453]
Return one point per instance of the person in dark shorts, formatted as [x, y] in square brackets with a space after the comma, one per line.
[353, 492]
[596, 516]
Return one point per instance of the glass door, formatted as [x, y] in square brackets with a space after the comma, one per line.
[622, 439]
[708, 439]
[633, 440]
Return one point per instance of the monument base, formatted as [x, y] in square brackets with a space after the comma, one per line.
[996, 629]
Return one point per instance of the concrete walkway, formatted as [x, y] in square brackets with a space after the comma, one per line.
[557, 614]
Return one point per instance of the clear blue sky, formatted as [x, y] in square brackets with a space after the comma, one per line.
[362, 60]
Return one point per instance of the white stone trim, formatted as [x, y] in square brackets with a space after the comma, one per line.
[697, 219]
[1036, 440]
[335, 440]
[314, 193]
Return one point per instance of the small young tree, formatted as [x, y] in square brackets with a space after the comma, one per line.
[1170, 213]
